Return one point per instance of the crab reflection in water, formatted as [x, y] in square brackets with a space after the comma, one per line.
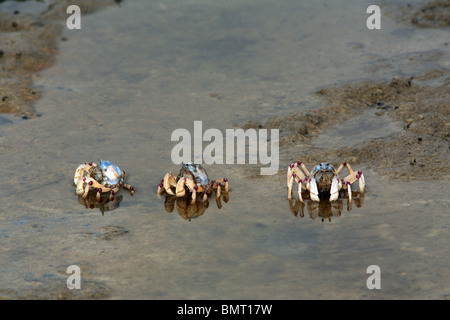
[324, 208]
[104, 203]
[188, 209]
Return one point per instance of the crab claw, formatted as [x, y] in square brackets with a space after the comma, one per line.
[312, 187]
[80, 186]
[169, 181]
[334, 190]
[180, 191]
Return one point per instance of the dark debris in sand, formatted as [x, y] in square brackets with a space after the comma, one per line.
[432, 14]
[435, 14]
[28, 43]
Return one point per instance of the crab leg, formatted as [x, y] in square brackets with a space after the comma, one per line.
[194, 195]
[349, 189]
[127, 186]
[90, 182]
[218, 190]
[356, 175]
[224, 180]
[99, 194]
[341, 167]
[289, 176]
[289, 185]
[293, 167]
[299, 173]
[86, 190]
[115, 190]
[292, 173]
[160, 187]
[219, 203]
[303, 167]
[111, 191]
[362, 182]
[295, 173]
[353, 176]
[181, 191]
[348, 167]
[217, 186]
[344, 164]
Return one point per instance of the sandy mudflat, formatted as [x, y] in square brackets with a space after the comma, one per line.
[137, 71]
[30, 34]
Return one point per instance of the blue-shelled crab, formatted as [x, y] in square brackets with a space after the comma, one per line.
[323, 181]
[103, 177]
[193, 178]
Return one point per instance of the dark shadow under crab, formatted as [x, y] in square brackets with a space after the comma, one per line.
[324, 208]
[188, 209]
[104, 203]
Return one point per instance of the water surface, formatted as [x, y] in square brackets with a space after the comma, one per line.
[135, 73]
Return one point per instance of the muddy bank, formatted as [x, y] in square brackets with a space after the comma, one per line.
[28, 43]
[419, 151]
[434, 14]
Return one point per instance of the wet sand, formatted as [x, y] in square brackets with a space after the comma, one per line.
[30, 34]
[415, 148]
[119, 90]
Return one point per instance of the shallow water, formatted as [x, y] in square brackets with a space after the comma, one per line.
[367, 125]
[134, 74]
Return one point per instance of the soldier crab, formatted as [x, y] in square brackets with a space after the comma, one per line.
[194, 178]
[103, 177]
[323, 181]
